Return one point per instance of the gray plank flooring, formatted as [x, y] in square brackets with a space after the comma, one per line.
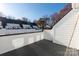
[42, 48]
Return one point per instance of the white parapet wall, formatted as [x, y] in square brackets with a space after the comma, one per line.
[8, 43]
[62, 31]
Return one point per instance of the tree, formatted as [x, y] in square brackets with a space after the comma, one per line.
[55, 17]
[58, 16]
[3, 22]
[35, 21]
[10, 17]
[25, 19]
[41, 23]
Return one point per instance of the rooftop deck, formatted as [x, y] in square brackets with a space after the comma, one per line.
[33, 44]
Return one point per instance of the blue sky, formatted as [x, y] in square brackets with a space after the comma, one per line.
[32, 11]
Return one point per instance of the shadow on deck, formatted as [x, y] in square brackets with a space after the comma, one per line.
[41, 48]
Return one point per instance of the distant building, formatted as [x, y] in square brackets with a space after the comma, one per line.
[15, 24]
[26, 26]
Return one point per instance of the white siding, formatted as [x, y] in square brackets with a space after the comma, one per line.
[62, 31]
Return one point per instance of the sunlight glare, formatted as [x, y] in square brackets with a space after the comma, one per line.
[2, 7]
